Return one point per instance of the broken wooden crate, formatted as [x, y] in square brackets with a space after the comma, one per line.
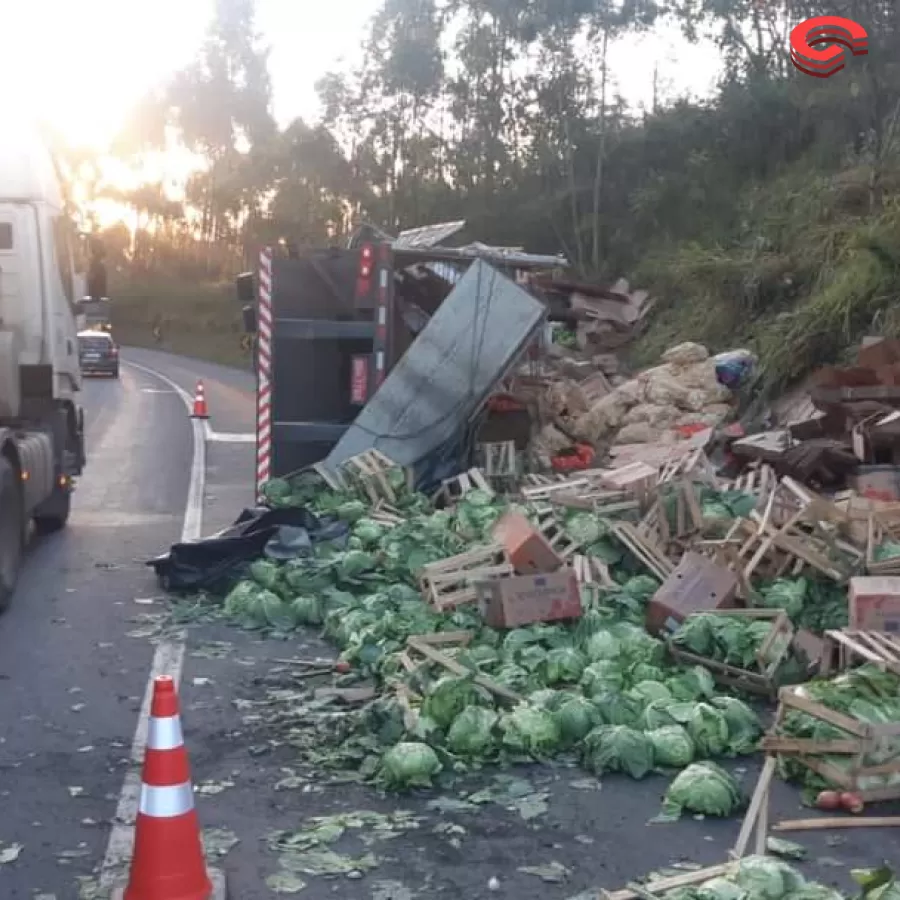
[554, 532]
[862, 761]
[441, 649]
[644, 547]
[450, 582]
[374, 473]
[843, 648]
[769, 656]
[452, 490]
[809, 537]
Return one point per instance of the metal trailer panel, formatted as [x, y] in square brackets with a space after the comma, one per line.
[448, 373]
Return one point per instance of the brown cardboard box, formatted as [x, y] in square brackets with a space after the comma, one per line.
[875, 603]
[524, 599]
[696, 585]
[528, 550]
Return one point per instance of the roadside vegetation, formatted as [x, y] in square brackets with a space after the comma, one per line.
[765, 216]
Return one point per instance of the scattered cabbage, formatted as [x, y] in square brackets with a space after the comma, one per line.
[618, 709]
[672, 746]
[692, 684]
[602, 677]
[563, 665]
[264, 572]
[471, 733]
[448, 697]
[409, 764]
[513, 677]
[369, 532]
[239, 600]
[528, 729]
[548, 698]
[351, 511]
[307, 610]
[645, 692]
[744, 728]
[720, 889]
[576, 716]
[768, 878]
[703, 788]
[708, 729]
[354, 563]
[647, 672]
[617, 748]
[602, 645]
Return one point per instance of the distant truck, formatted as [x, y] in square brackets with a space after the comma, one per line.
[41, 419]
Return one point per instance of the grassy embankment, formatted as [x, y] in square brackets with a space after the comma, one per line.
[810, 275]
[198, 320]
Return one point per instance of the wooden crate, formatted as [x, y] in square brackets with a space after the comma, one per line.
[556, 535]
[591, 571]
[844, 648]
[769, 656]
[371, 471]
[454, 489]
[862, 742]
[450, 582]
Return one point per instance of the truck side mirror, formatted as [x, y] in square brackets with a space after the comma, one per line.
[246, 290]
[249, 314]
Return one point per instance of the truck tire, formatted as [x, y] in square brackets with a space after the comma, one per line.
[53, 514]
[12, 531]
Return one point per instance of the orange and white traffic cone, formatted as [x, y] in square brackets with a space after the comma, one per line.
[168, 852]
[200, 410]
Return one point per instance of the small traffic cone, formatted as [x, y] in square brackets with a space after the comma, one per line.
[168, 852]
[200, 410]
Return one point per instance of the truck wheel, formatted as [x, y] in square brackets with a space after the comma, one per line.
[53, 514]
[11, 531]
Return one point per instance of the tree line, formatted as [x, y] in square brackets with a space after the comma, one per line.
[503, 113]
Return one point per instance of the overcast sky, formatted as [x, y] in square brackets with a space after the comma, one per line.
[79, 65]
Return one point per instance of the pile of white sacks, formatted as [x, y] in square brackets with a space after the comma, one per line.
[649, 408]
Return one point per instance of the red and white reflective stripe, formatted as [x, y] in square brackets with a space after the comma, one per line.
[264, 356]
[165, 733]
[166, 802]
[381, 322]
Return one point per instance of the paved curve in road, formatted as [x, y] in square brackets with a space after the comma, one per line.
[74, 664]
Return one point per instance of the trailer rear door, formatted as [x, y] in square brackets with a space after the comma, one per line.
[329, 310]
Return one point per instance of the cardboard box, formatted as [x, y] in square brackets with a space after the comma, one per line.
[525, 599]
[875, 603]
[528, 550]
[696, 585]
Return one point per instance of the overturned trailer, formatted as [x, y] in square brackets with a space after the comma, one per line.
[386, 344]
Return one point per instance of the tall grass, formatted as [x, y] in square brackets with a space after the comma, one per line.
[809, 274]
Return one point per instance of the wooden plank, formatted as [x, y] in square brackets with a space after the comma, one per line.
[670, 883]
[827, 823]
[451, 665]
[757, 816]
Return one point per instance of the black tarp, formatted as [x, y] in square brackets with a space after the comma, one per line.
[215, 563]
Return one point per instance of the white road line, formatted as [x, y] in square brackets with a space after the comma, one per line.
[229, 437]
[168, 659]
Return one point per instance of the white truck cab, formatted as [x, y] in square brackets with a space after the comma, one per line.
[41, 420]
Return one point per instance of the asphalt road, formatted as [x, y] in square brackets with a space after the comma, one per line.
[77, 646]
